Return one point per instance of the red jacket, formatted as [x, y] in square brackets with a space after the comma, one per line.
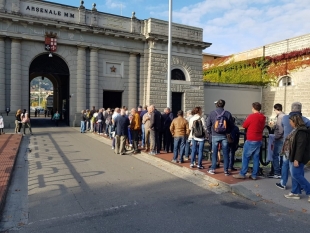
[254, 124]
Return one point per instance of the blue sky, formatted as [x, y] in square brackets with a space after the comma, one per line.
[231, 26]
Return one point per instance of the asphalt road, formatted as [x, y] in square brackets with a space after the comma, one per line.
[77, 184]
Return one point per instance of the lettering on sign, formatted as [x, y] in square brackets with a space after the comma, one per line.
[49, 11]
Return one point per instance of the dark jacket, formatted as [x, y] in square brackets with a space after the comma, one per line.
[142, 114]
[167, 119]
[212, 118]
[121, 122]
[300, 150]
[18, 118]
[83, 117]
[100, 117]
[155, 121]
[235, 134]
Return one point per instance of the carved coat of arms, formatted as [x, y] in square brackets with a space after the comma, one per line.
[50, 41]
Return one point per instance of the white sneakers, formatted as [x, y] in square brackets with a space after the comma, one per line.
[292, 196]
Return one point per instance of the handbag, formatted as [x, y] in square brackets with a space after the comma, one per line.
[25, 120]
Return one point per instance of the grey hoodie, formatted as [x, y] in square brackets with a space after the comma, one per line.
[278, 128]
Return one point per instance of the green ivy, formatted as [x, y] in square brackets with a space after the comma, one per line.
[250, 72]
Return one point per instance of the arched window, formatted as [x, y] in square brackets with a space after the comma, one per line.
[177, 74]
[285, 81]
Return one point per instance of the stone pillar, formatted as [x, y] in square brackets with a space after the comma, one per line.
[142, 78]
[2, 74]
[132, 81]
[2, 5]
[94, 82]
[16, 85]
[81, 79]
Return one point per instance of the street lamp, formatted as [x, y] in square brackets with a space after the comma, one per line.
[169, 56]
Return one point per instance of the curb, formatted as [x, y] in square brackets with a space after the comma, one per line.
[10, 166]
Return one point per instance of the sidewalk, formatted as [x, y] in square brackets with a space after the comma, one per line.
[261, 190]
[9, 146]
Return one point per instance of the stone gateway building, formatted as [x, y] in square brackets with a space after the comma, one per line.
[95, 59]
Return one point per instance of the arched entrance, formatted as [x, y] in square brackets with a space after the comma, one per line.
[57, 71]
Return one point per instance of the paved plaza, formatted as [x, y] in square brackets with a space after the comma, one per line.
[64, 181]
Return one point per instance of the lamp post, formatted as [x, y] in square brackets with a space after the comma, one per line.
[39, 93]
[169, 56]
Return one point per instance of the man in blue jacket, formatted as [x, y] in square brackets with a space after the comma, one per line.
[219, 136]
[121, 133]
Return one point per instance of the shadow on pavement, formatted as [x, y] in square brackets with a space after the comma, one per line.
[41, 122]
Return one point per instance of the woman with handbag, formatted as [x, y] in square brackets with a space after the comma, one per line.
[26, 122]
[296, 147]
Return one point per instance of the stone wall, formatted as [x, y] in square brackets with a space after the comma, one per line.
[238, 98]
[284, 46]
[157, 81]
[299, 91]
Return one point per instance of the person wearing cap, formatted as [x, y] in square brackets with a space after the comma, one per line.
[179, 130]
[287, 129]
[219, 137]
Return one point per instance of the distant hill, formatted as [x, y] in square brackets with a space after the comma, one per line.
[46, 83]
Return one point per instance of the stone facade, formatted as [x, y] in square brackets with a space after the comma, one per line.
[285, 95]
[103, 52]
[299, 89]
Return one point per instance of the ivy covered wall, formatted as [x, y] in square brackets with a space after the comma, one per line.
[261, 71]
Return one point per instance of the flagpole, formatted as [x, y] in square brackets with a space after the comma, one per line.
[169, 57]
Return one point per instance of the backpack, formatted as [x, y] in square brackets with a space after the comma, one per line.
[220, 124]
[197, 129]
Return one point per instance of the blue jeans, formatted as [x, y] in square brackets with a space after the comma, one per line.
[82, 130]
[276, 150]
[143, 135]
[224, 145]
[179, 143]
[298, 179]
[100, 126]
[129, 136]
[284, 171]
[200, 151]
[231, 154]
[250, 148]
[187, 146]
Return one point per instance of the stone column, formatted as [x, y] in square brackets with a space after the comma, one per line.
[16, 85]
[142, 78]
[94, 82]
[81, 79]
[2, 75]
[132, 81]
